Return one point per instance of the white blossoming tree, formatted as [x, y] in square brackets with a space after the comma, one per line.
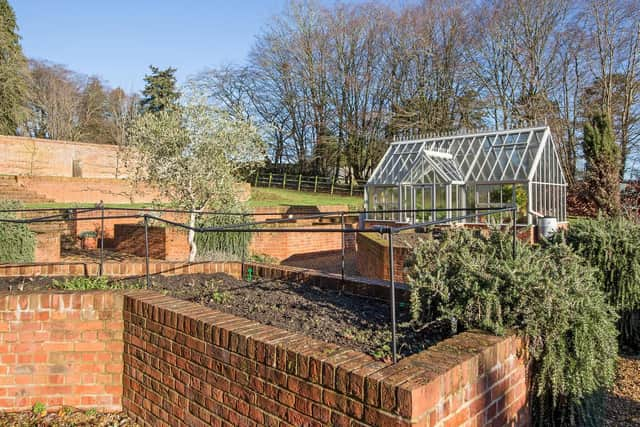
[194, 156]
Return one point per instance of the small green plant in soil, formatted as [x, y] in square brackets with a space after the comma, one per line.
[550, 296]
[264, 259]
[217, 296]
[39, 409]
[95, 283]
[82, 283]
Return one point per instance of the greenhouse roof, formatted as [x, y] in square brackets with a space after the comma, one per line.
[516, 155]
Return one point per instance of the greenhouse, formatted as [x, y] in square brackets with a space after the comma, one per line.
[468, 171]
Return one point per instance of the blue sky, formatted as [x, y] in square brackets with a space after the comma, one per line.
[118, 40]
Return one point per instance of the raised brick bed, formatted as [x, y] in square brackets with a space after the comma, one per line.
[61, 349]
[165, 243]
[186, 365]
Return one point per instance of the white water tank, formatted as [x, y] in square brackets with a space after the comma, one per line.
[547, 226]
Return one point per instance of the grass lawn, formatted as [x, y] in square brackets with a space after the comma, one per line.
[277, 197]
[260, 197]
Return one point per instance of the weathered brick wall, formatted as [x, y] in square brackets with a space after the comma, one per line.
[61, 349]
[186, 365]
[47, 247]
[166, 243]
[284, 245]
[372, 258]
[93, 190]
[45, 157]
[87, 190]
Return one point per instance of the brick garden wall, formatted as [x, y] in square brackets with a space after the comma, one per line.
[61, 349]
[46, 157]
[285, 245]
[47, 247]
[167, 243]
[372, 258]
[175, 363]
[88, 190]
[186, 365]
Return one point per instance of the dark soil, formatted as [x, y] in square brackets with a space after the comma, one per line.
[353, 321]
[66, 417]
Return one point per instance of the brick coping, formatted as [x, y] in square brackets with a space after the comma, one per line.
[408, 390]
[168, 342]
[357, 284]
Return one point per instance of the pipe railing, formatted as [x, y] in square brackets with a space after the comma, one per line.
[254, 227]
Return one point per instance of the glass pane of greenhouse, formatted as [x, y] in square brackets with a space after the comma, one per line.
[445, 176]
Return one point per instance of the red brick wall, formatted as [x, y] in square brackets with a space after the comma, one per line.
[282, 245]
[87, 190]
[372, 258]
[61, 349]
[93, 190]
[166, 243]
[47, 247]
[45, 157]
[186, 365]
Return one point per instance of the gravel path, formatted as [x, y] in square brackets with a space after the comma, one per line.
[623, 403]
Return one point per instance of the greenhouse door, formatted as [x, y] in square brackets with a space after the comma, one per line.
[424, 199]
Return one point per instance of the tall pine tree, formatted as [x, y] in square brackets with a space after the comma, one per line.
[160, 93]
[602, 156]
[14, 74]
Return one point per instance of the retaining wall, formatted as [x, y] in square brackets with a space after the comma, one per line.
[372, 257]
[167, 243]
[175, 363]
[47, 247]
[47, 157]
[88, 190]
[186, 365]
[61, 349]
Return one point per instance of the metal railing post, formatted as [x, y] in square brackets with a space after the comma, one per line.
[299, 181]
[270, 178]
[146, 248]
[343, 245]
[284, 181]
[102, 240]
[515, 233]
[393, 298]
[257, 177]
[315, 185]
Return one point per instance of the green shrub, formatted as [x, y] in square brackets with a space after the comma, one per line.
[548, 296]
[228, 243]
[17, 241]
[612, 246]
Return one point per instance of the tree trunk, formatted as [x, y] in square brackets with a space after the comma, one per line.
[192, 237]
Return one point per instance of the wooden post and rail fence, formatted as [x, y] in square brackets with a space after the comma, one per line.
[299, 182]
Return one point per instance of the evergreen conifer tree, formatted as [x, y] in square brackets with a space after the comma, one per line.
[160, 92]
[602, 156]
[14, 74]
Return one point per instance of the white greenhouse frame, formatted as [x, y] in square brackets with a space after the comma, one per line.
[454, 173]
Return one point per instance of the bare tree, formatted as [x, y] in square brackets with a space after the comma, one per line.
[613, 29]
